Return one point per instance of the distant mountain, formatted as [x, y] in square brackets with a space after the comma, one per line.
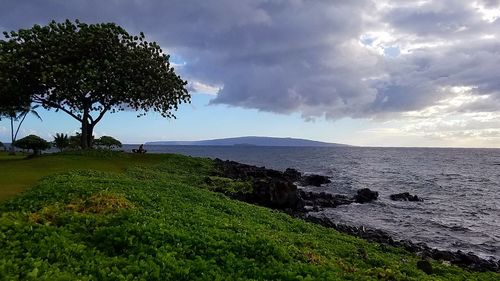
[251, 141]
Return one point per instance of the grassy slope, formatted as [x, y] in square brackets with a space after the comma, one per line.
[18, 173]
[157, 223]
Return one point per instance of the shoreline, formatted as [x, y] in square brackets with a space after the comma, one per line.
[170, 207]
[279, 190]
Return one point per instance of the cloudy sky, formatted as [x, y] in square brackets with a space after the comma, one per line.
[378, 73]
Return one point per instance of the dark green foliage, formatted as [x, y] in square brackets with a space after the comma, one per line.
[108, 142]
[227, 186]
[32, 142]
[156, 224]
[61, 141]
[82, 68]
[16, 83]
[16, 115]
[2, 145]
[75, 141]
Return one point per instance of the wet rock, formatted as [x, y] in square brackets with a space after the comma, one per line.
[277, 190]
[275, 193]
[405, 196]
[292, 175]
[366, 195]
[324, 200]
[459, 258]
[425, 266]
[314, 180]
[271, 188]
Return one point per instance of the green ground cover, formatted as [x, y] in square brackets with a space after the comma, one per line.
[18, 172]
[154, 218]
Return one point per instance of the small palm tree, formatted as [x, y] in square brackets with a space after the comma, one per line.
[19, 117]
[61, 141]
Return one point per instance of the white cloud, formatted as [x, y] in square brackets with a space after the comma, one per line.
[202, 88]
[488, 12]
[429, 67]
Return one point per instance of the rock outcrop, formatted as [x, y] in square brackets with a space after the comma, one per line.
[365, 195]
[459, 258]
[405, 196]
[324, 200]
[271, 188]
[277, 190]
[314, 180]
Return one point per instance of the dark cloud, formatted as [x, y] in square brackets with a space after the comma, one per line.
[306, 56]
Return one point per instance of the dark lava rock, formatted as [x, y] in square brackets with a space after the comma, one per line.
[277, 190]
[324, 200]
[405, 196]
[369, 234]
[271, 188]
[275, 193]
[459, 258]
[425, 266]
[292, 175]
[366, 195]
[314, 180]
[472, 261]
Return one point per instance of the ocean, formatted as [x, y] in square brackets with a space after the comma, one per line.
[460, 188]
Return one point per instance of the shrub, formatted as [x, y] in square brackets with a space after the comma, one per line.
[34, 143]
[61, 141]
[108, 142]
[75, 142]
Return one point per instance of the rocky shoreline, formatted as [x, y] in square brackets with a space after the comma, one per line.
[279, 190]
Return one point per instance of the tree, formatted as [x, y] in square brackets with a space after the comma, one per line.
[74, 141]
[2, 146]
[19, 117]
[16, 86]
[61, 141]
[82, 69]
[35, 143]
[108, 142]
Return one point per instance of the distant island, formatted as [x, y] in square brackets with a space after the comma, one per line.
[252, 141]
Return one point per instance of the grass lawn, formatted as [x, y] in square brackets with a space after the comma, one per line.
[18, 173]
[152, 218]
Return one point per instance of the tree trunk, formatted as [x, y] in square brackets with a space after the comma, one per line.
[86, 139]
[12, 150]
[83, 137]
[90, 135]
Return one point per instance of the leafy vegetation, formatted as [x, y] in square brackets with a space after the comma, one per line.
[108, 142]
[61, 141]
[82, 69]
[227, 186]
[155, 223]
[16, 114]
[75, 141]
[18, 173]
[34, 143]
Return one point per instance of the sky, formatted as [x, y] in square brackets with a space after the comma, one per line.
[370, 73]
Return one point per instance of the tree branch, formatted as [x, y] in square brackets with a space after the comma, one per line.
[56, 105]
[101, 114]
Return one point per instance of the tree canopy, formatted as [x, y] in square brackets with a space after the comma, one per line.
[35, 143]
[61, 141]
[108, 142]
[87, 70]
